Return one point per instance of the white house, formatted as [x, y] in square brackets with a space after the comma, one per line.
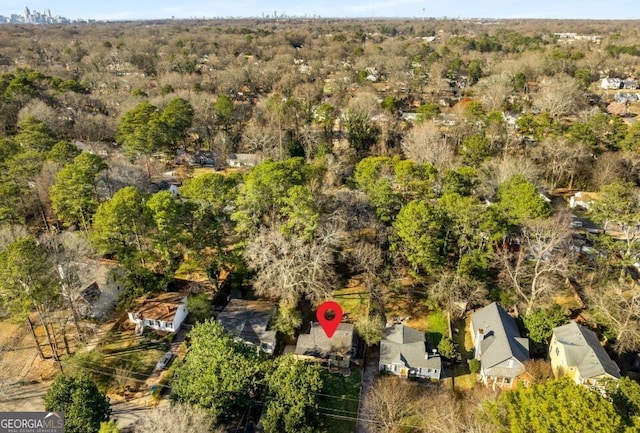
[244, 160]
[403, 352]
[611, 83]
[499, 347]
[164, 312]
[583, 199]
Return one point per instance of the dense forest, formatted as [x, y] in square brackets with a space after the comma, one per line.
[433, 161]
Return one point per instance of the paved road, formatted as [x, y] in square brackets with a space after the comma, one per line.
[126, 414]
[372, 359]
[24, 398]
[29, 398]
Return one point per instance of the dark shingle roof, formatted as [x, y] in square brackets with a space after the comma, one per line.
[317, 344]
[248, 320]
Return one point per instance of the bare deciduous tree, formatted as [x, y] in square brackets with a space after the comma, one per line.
[426, 143]
[560, 95]
[455, 292]
[390, 404]
[289, 268]
[176, 418]
[495, 89]
[618, 308]
[561, 161]
[543, 257]
[67, 250]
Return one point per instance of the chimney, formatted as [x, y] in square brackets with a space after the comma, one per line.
[478, 343]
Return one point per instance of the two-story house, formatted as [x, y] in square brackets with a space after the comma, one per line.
[498, 346]
[576, 352]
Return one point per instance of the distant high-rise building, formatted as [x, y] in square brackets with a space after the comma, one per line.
[47, 12]
[27, 14]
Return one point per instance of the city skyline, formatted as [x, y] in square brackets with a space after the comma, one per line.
[164, 9]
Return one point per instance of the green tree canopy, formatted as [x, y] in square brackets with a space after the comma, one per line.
[212, 192]
[265, 193]
[63, 152]
[419, 227]
[557, 406]
[34, 134]
[27, 276]
[388, 182]
[141, 130]
[177, 118]
[84, 406]
[625, 395]
[618, 210]
[74, 196]
[519, 201]
[471, 229]
[218, 373]
[540, 323]
[362, 132]
[223, 110]
[121, 224]
[291, 401]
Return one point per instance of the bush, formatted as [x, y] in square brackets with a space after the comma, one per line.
[474, 365]
[447, 348]
[199, 307]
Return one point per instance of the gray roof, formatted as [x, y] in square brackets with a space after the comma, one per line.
[583, 350]
[502, 340]
[317, 344]
[406, 345]
[248, 320]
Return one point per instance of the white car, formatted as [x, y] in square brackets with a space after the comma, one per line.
[165, 361]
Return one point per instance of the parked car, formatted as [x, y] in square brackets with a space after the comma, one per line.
[165, 361]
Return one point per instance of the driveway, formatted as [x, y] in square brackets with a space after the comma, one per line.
[370, 373]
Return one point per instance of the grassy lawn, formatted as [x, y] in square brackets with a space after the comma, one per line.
[437, 326]
[464, 379]
[340, 398]
[353, 299]
[120, 360]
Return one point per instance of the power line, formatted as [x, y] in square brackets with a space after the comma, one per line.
[336, 396]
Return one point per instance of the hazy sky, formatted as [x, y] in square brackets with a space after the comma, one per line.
[146, 9]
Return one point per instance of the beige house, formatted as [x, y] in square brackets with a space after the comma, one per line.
[576, 352]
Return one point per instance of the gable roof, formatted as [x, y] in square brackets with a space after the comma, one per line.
[161, 307]
[248, 320]
[317, 344]
[406, 345]
[583, 350]
[502, 340]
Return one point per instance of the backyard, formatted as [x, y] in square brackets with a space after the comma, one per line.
[338, 402]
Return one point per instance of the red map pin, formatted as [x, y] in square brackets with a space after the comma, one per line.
[329, 325]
